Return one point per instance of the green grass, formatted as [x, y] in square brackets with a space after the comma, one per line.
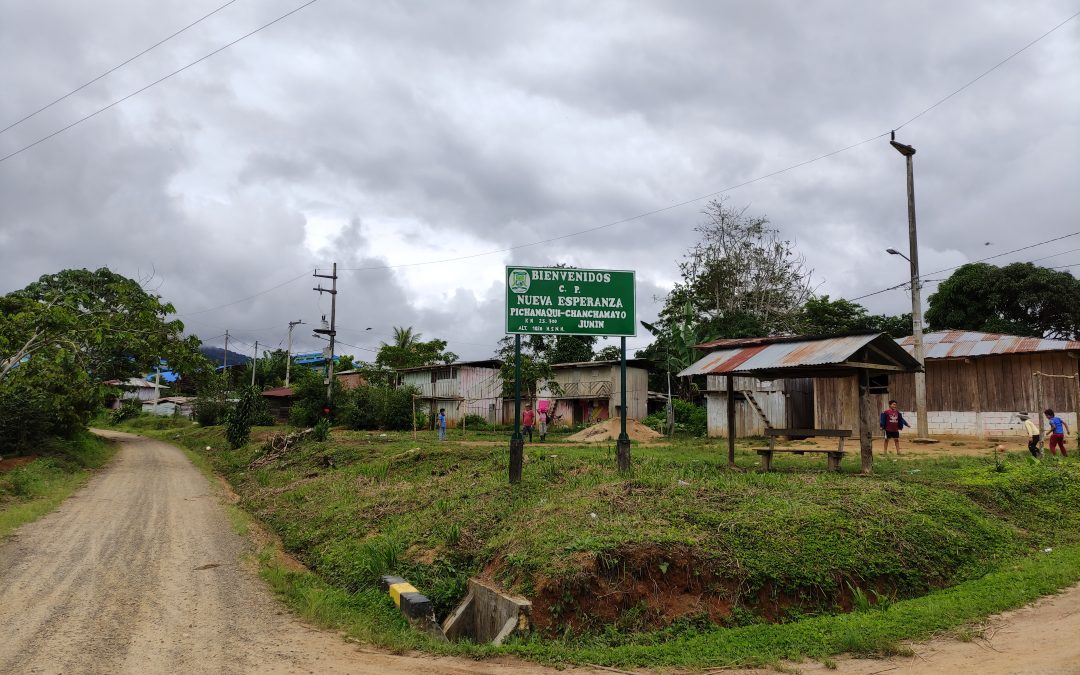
[924, 545]
[31, 490]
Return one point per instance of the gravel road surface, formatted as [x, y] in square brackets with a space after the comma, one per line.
[140, 572]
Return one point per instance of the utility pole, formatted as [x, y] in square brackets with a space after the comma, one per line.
[922, 424]
[332, 330]
[288, 352]
[255, 362]
[225, 364]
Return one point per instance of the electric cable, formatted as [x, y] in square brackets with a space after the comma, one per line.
[154, 83]
[114, 68]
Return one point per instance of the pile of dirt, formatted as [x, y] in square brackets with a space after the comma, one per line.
[609, 430]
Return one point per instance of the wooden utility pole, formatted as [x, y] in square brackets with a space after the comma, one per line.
[1039, 401]
[255, 362]
[332, 331]
[288, 351]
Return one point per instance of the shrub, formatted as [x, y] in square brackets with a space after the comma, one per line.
[321, 430]
[211, 408]
[476, 422]
[129, 409]
[693, 419]
[241, 417]
[375, 407]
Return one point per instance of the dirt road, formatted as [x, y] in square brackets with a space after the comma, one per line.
[140, 572]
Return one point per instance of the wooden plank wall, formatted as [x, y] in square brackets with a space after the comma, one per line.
[836, 403]
[992, 384]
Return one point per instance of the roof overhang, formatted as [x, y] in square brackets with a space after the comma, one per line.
[771, 359]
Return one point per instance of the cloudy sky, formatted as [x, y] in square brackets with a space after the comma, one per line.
[423, 146]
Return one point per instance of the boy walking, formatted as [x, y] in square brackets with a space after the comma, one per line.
[1033, 435]
[892, 421]
[441, 424]
[1058, 429]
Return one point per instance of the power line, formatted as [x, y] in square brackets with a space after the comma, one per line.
[114, 68]
[250, 297]
[155, 82]
[949, 269]
[1008, 58]
[606, 225]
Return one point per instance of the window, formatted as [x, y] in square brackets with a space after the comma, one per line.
[443, 374]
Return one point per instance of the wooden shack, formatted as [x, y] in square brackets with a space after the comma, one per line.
[590, 391]
[976, 383]
[462, 388]
[759, 404]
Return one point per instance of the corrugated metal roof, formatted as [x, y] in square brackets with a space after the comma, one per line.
[796, 354]
[955, 344]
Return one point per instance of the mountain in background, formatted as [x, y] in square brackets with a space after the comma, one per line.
[217, 355]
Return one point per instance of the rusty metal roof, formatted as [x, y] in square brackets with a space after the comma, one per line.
[957, 344]
[795, 357]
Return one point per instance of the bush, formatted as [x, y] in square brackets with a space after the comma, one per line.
[476, 422]
[242, 416]
[130, 408]
[689, 418]
[211, 408]
[321, 430]
[309, 399]
[375, 407]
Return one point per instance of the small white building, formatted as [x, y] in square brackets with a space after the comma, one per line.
[138, 389]
[462, 388]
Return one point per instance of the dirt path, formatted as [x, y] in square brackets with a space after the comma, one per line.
[1039, 639]
[140, 572]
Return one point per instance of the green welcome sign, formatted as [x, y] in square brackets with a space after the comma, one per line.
[568, 301]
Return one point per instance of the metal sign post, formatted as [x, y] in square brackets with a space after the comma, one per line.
[569, 301]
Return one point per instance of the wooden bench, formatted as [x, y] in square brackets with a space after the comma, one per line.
[834, 455]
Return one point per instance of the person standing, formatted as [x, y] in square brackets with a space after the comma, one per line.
[891, 422]
[527, 419]
[441, 424]
[1033, 435]
[542, 422]
[1058, 429]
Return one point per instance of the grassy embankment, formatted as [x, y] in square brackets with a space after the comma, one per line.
[681, 563]
[32, 489]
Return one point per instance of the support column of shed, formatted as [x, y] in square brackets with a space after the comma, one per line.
[866, 422]
[731, 421]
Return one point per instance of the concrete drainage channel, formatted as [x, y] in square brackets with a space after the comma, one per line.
[485, 615]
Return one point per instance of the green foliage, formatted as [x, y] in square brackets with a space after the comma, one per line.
[62, 336]
[46, 396]
[609, 353]
[407, 351]
[473, 421]
[309, 398]
[822, 316]
[740, 267]
[321, 430]
[33, 489]
[1018, 299]
[130, 408]
[211, 406]
[690, 419]
[535, 366]
[377, 407]
[799, 534]
[571, 349]
[242, 417]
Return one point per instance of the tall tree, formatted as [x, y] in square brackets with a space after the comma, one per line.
[407, 351]
[571, 348]
[62, 336]
[1018, 299]
[822, 316]
[742, 266]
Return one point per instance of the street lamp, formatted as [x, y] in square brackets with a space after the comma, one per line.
[922, 423]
